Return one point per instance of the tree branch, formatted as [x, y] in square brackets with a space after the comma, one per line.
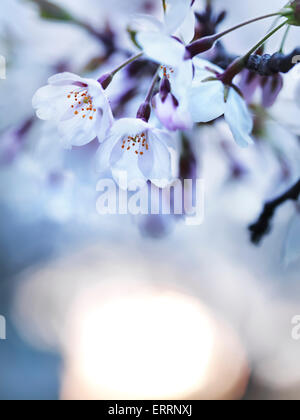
[263, 226]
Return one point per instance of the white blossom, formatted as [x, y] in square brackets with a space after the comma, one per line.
[209, 100]
[79, 107]
[138, 149]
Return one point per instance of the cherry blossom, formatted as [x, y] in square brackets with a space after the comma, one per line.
[137, 149]
[210, 99]
[79, 107]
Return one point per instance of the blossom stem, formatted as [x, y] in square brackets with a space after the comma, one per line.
[284, 39]
[152, 87]
[241, 25]
[144, 111]
[261, 42]
[107, 78]
[126, 63]
[206, 43]
[240, 63]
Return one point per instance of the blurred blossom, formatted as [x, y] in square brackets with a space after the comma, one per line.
[270, 87]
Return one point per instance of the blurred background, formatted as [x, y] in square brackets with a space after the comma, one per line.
[116, 307]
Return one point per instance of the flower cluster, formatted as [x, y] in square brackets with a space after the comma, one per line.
[187, 89]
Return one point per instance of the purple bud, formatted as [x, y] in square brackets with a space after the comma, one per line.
[221, 17]
[200, 46]
[271, 87]
[165, 88]
[144, 112]
[105, 80]
[248, 84]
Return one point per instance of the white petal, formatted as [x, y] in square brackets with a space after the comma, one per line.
[182, 119]
[161, 173]
[64, 79]
[204, 69]
[127, 164]
[206, 101]
[104, 153]
[70, 79]
[239, 119]
[119, 130]
[146, 23]
[161, 48]
[176, 13]
[183, 77]
[129, 126]
[186, 31]
[50, 102]
[96, 91]
[146, 162]
[164, 137]
[77, 131]
[104, 124]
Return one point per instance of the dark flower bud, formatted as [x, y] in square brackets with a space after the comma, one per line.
[263, 68]
[253, 62]
[144, 112]
[267, 65]
[165, 88]
[105, 80]
[200, 46]
[221, 17]
[275, 61]
[271, 86]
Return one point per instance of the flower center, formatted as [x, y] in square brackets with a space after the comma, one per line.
[167, 71]
[82, 104]
[138, 144]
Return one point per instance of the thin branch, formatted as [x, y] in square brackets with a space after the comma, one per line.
[152, 87]
[264, 224]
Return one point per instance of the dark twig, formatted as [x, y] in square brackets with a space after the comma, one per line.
[263, 226]
[266, 65]
[262, 64]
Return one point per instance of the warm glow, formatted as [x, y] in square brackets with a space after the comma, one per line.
[143, 346]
